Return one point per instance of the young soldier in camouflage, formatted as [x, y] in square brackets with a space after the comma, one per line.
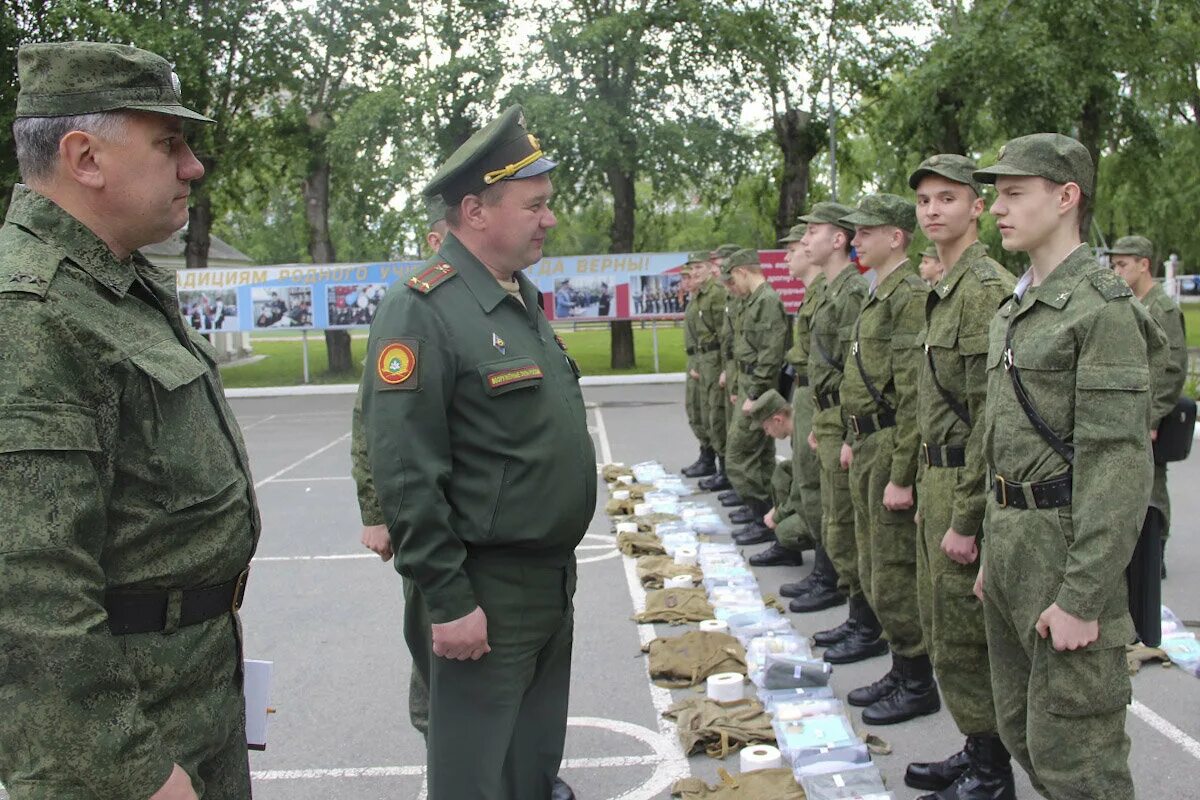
[693, 404]
[879, 403]
[129, 511]
[953, 492]
[720, 481]
[702, 340]
[1133, 259]
[1066, 435]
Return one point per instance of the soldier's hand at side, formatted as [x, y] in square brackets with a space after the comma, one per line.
[1154, 434]
[746, 406]
[978, 590]
[375, 538]
[897, 498]
[721, 379]
[1067, 632]
[732, 399]
[846, 457]
[958, 548]
[693, 374]
[462, 639]
[769, 518]
[177, 787]
[812, 441]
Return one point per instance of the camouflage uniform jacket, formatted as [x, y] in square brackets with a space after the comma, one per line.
[797, 355]
[710, 316]
[758, 341]
[734, 306]
[120, 466]
[957, 314]
[1166, 313]
[1085, 353]
[833, 328]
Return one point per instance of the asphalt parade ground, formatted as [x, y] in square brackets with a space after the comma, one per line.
[328, 614]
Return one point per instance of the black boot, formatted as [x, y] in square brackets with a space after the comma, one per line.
[832, 636]
[777, 556]
[865, 639]
[1162, 569]
[988, 775]
[916, 694]
[820, 598]
[878, 690]
[937, 775]
[822, 574]
[718, 481]
[746, 514]
[731, 500]
[703, 466]
[561, 791]
[728, 494]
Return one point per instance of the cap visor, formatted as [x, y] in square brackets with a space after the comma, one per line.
[990, 174]
[539, 167]
[860, 219]
[172, 111]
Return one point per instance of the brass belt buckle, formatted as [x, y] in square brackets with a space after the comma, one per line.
[1003, 490]
[239, 590]
[925, 452]
[854, 425]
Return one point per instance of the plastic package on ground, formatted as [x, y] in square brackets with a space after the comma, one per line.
[649, 471]
[791, 710]
[673, 541]
[769, 696]
[735, 595]
[716, 548]
[1184, 651]
[673, 485]
[718, 560]
[759, 647]
[662, 502]
[724, 612]
[733, 577]
[818, 760]
[784, 671]
[796, 737]
[749, 626]
[662, 529]
[863, 780]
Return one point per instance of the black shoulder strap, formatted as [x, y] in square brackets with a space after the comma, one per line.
[1050, 437]
[840, 366]
[958, 408]
[870, 384]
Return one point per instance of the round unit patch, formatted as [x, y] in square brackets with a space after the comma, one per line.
[397, 362]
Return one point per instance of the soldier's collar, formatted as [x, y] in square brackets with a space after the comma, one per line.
[49, 222]
[842, 276]
[946, 285]
[885, 287]
[1056, 289]
[480, 281]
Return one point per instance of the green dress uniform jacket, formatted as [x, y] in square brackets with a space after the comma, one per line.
[121, 467]
[953, 490]
[1086, 353]
[885, 438]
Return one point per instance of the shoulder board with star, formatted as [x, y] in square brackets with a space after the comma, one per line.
[27, 264]
[1109, 284]
[431, 278]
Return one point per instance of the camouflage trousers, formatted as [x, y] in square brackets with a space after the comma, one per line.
[693, 401]
[887, 546]
[790, 529]
[1060, 714]
[716, 401]
[806, 469]
[1160, 498]
[749, 457]
[837, 505]
[951, 615]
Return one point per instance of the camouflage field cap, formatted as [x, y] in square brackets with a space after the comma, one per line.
[950, 166]
[726, 250]
[745, 257]
[1138, 246]
[883, 209]
[930, 252]
[502, 150]
[699, 256]
[795, 234]
[435, 209]
[1052, 156]
[830, 213]
[66, 79]
[768, 404]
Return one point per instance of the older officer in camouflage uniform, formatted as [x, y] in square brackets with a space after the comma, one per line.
[827, 243]
[1133, 259]
[130, 516]
[1070, 359]
[759, 335]
[485, 472]
[953, 492]
[879, 401]
[710, 302]
[695, 276]
[733, 304]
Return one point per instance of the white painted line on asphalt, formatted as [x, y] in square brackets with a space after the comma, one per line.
[352, 388]
[306, 480]
[1146, 715]
[602, 435]
[267, 418]
[308, 457]
[608, 545]
[338, 557]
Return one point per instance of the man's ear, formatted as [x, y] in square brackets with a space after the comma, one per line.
[77, 152]
[471, 212]
[1070, 197]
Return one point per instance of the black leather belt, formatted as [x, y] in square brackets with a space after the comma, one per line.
[828, 400]
[944, 455]
[748, 369]
[866, 425]
[801, 380]
[709, 348]
[1052, 493]
[691, 351]
[146, 612]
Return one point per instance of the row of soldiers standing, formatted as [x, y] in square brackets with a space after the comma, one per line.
[1036, 435]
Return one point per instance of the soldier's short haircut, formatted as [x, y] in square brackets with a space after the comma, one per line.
[1081, 211]
[489, 195]
[37, 139]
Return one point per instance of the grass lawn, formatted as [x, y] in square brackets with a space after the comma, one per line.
[1191, 317]
[284, 363]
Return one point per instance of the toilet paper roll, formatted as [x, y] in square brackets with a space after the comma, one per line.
[678, 582]
[686, 556]
[625, 479]
[627, 527]
[642, 509]
[714, 625]
[761, 756]
[620, 494]
[725, 687]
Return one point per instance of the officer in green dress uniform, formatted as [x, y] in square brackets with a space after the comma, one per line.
[879, 402]
[485, 473]
[1066, 437]
[129, 510]
[953, 493]
[1132, 257]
